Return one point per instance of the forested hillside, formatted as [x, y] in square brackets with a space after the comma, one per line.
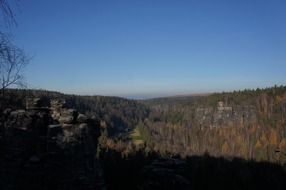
[240, 130]
[249, 124]
[164, 143]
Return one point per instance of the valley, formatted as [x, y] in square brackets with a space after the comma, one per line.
[110, 142]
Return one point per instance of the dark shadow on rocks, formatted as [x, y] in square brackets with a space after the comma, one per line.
[152, 171]
[37, 153]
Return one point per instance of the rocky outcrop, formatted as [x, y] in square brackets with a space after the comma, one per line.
[56, 106]
[61, 114]
[48, 145]
[225, 116]
[81, 118]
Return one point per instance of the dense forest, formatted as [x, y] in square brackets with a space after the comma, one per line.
[174, 142]
[248, 124]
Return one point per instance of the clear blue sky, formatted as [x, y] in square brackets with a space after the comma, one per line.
[145, 48]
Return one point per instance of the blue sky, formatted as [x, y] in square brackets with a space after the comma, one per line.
[146, 48]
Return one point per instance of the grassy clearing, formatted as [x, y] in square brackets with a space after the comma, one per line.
[136, 137]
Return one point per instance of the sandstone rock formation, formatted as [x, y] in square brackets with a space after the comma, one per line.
[52, 147]
[225, 115]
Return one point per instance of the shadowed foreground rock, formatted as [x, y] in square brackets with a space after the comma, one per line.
[48, 148]
[143, 171]
[165, 174]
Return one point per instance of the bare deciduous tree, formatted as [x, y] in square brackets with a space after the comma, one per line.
[12, 58]
[7, 12]
[12, 62]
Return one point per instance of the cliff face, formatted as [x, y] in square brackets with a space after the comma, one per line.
[48, 146]
[225, 116]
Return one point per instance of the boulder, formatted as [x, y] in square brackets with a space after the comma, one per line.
[81, 118]
[68, 116]
[83, 126]
[56, 115]
[57, 104]
[7, 111]
[69, 112]
[56, 108]
[66, 119]
[67, 126]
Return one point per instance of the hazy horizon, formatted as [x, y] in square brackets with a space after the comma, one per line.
[146, 49]
[146, 96]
